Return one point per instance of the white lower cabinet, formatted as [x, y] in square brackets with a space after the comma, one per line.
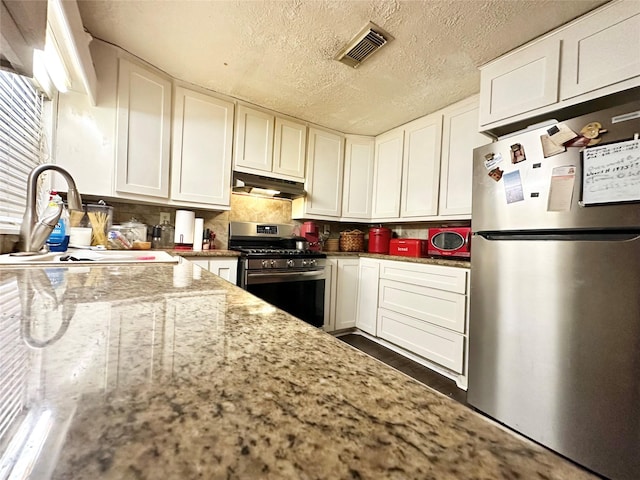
[424, 309]
[367, 300]
[330, 285]
[226, 268]
[346, 293]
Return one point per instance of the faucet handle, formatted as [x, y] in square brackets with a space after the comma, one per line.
[45, 226]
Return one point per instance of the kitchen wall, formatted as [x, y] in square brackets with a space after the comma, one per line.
[250, 208]
[244, 208]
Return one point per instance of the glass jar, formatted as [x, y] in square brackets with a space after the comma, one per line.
[167, 234]
[100, 217]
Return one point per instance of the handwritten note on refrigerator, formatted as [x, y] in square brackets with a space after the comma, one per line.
[611, 173]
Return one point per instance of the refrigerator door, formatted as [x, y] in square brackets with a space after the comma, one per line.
[490, 208]
[555, 345]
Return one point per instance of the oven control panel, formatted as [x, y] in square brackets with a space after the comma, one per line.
[285, 263]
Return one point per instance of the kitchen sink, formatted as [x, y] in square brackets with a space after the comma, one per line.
[89, 257]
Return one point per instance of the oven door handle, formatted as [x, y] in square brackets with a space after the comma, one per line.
[278, 277]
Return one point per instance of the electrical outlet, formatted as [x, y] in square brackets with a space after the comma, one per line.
[165, 216]
[327, 230]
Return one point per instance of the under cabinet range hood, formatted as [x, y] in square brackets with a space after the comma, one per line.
[267, 186]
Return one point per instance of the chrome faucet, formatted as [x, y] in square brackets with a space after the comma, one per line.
[34, 233]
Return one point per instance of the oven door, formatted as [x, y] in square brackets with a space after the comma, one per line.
[299, 293]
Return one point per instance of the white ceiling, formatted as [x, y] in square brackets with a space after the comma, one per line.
[279, 53]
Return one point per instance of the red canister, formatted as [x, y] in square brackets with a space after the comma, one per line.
[379, 238]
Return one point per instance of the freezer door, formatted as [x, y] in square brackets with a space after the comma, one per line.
[491, 210]
[554, 352]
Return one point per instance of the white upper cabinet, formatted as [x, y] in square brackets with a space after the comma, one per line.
[459, 137]
[421, 167]
[143, 131]
[289, 151]
[254, 139]
[387, 177]
[358, 177]
[601, 50]
[521, 81]
[85, 138]
[201, 153]
[325, 159]
[593, 56]
[269, 145]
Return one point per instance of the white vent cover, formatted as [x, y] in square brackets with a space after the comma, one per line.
[368, 41]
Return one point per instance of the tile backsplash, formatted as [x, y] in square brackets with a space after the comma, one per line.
[244, 208]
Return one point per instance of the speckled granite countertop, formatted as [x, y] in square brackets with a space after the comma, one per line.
[192, 377]
[428, 261]
[205, 253]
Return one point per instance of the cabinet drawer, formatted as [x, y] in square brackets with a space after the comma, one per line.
[449, 279]
[444, 309]
[437, 344]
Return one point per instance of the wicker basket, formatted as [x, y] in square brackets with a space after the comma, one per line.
[352, 241]
[331, 245]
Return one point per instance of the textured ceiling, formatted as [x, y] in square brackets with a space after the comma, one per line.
[279, 53]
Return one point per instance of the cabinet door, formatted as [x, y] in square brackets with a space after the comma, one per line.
[459, 137]
[201, 263]
[347, 293]
[143, 131]
[367, 309]
[358, 177]
[324, 173]
[520, 82]
[330, 287]
[387, 176]
[290, 148]
[86, 132]
[226, 268]
[421, 167]
[254, 139]
[601, 50]
[201, 154]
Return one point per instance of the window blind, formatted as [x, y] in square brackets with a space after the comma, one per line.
[20, 141]
[13, 361]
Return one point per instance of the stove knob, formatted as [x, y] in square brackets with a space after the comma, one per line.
[273, 263]
[265, 263]
[312, 263]
[290, 263]
[304, 263]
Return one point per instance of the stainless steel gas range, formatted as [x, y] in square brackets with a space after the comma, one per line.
[290, 279]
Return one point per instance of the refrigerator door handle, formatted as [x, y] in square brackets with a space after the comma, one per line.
[600, 236]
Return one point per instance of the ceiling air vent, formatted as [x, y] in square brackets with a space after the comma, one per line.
[368, 41]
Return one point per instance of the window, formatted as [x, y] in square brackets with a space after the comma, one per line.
[20, 145]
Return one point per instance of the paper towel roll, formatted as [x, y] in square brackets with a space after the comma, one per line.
[198, 231]
[185, 221]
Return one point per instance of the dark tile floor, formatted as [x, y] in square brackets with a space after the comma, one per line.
[411, 368]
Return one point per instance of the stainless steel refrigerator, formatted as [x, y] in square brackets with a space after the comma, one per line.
[554, 326]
